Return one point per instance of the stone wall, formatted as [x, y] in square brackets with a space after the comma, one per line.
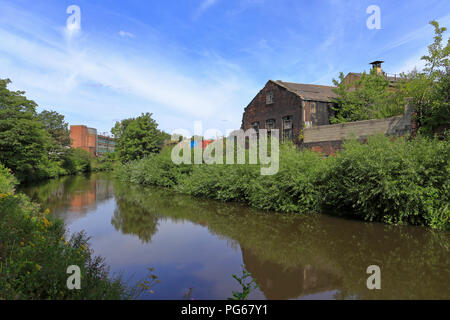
[329, 138]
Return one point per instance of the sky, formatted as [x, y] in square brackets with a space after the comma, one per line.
[197, 60]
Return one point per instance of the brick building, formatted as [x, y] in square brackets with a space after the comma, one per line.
[289, 107]
[84, 138]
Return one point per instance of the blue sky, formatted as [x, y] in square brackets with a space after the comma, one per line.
[197, 60]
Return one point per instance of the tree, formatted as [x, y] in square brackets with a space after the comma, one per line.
[23, 138]
[137, 138]
[437, 60]
[369, 97]
[429, 90]
[59, 132]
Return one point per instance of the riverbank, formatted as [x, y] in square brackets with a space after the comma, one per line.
[35, 254]
[390, 181]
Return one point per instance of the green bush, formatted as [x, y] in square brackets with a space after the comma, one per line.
[220, 182]
[390, 181]
[7, 180]
[77, 161]
[295, 187]
[156, 169]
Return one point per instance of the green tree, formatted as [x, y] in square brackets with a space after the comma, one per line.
[56, 126]
[137, 137]
[429, 90]
[23, 138]
[369, 97]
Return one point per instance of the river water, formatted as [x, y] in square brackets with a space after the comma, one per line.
[199, 244]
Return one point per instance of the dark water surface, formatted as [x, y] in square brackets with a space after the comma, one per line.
[200, 244]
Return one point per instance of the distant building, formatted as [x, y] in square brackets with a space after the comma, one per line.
[105, 144]
[86, 138]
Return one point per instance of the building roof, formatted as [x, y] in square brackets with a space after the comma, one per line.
[309, 91]
[391, 78]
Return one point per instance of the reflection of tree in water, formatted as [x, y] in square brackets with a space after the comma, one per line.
[132, 219]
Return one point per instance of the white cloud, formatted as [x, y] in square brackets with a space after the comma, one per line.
[126, 34]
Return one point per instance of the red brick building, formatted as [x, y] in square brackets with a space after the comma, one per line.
[84, 138]
[289, 107]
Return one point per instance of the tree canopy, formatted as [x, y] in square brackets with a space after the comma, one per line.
[137, 137]
[23, 138]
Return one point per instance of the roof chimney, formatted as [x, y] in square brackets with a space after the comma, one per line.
[376, 65]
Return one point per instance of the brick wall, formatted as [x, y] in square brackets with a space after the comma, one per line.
[285, 104]
[84, 138]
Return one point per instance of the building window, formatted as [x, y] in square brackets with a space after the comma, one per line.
[255, 126]
[270, 124]
[313, 107]
[287, 127]
[269, 97]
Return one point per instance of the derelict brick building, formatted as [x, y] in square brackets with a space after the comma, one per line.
[289, 107]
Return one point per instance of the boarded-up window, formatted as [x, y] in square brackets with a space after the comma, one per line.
[287, 127]
[269, 97]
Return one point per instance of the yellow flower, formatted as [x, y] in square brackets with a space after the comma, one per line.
[38, 267]
[83, 247]
[22, 244]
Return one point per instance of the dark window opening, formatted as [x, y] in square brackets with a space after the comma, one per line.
[287, 127]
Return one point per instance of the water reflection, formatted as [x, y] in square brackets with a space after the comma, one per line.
[289, 256]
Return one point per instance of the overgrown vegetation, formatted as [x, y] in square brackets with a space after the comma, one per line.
[391, 181]
[371, 97]
[34, 254]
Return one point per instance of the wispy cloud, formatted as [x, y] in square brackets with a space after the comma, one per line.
[126, 34]
[90, 78]
[205, 5]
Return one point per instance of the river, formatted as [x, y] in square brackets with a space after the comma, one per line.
[199, 244]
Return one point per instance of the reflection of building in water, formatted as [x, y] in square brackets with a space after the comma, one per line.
[92, 192]
[279, 283]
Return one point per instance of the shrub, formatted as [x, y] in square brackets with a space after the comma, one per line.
[295, 187]
[156, 169]
[7, 180]
[390, 181]
[220, 182]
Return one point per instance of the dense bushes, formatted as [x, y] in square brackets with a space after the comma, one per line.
[34, 254]
[391, 181]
